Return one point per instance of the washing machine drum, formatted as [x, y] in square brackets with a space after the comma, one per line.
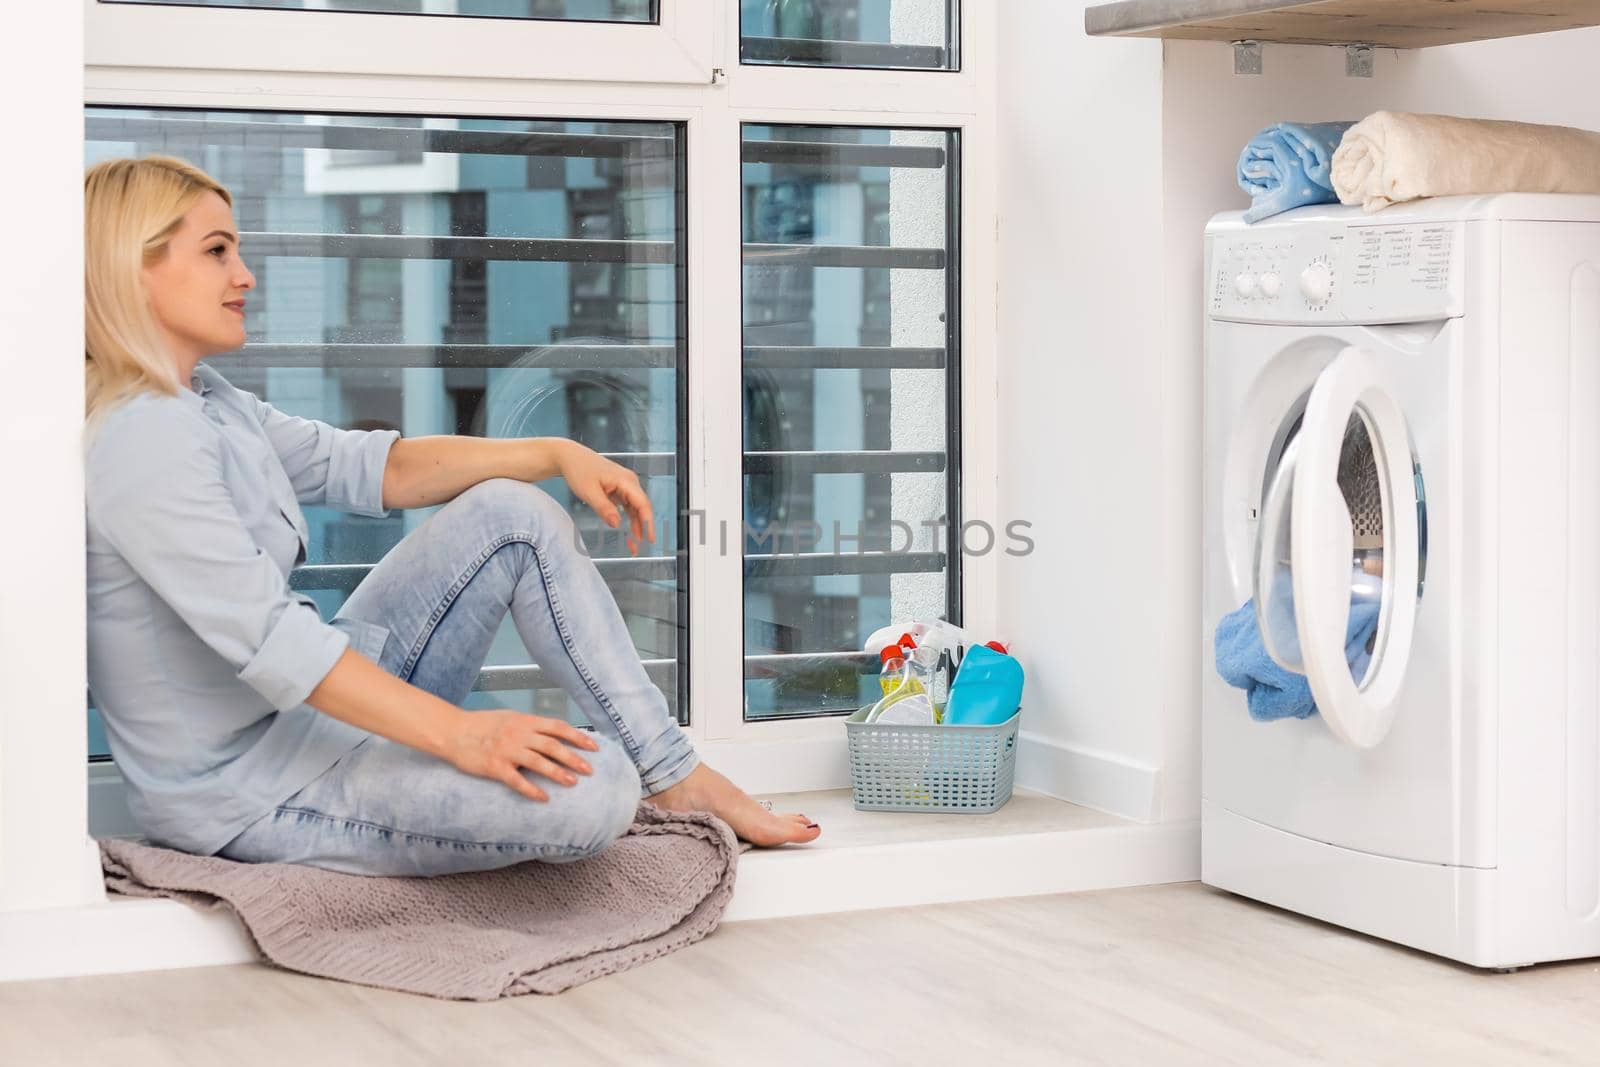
[1337, 568]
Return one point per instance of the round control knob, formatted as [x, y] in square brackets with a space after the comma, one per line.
[1245, 285]
[1316, 283]
[1271, 285]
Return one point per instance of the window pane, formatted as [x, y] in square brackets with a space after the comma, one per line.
[850, 300]
[474, 276]
[897, 34]
[554, 10]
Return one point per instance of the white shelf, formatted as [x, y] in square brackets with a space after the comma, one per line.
[1386, 23]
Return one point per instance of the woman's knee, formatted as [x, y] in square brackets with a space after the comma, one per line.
[505, 505]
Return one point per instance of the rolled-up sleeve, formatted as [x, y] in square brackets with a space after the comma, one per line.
[341, 469]
[160, 498]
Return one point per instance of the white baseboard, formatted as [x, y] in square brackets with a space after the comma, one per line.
[1096, 780]
[126, 935]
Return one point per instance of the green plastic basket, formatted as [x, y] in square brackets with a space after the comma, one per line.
[967, 769]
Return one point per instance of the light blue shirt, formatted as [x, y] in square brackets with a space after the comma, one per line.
[200, 656]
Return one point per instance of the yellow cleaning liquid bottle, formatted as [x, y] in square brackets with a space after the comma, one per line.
[895, 675]
[905, 700]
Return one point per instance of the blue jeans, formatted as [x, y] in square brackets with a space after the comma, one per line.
[387, 809]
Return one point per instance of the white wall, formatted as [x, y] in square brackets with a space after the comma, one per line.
[1082, 414]
[1112, 160]
[42, 726]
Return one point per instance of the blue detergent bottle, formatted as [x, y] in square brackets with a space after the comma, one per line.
[987, 690]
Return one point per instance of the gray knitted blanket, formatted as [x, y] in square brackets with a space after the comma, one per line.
[531, 928]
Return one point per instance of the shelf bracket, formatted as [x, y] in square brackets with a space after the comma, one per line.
[1247, 57]
[1358, 61]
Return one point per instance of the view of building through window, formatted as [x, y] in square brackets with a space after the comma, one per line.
[896, 34]
[849, 370]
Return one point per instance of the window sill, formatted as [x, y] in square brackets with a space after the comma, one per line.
[1034, 845]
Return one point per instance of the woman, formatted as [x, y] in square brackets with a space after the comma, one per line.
[244, 724]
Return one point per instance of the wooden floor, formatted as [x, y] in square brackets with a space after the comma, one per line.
[1162, 975]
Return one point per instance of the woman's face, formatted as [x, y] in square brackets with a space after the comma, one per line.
[197, 288]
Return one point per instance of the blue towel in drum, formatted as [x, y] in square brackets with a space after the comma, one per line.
[1289, 165]
[1274, 693]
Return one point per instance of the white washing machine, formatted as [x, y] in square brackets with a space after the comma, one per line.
[1403, 410]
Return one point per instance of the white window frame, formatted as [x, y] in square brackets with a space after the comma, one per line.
[147, 67]
[677, 49]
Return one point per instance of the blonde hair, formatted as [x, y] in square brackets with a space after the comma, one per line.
[131, 209]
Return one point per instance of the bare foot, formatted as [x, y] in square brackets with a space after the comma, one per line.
[706, 790]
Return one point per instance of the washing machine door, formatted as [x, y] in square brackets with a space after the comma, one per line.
[1336, 574]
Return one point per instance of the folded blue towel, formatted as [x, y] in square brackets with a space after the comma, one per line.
[1275, 693]
[1288, 165]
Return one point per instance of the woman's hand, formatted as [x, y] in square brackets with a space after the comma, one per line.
[605, 485]
[499, 744]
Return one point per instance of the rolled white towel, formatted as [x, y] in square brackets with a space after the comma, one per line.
[1393, 156]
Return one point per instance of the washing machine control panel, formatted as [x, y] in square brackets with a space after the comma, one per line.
[1347, 272]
